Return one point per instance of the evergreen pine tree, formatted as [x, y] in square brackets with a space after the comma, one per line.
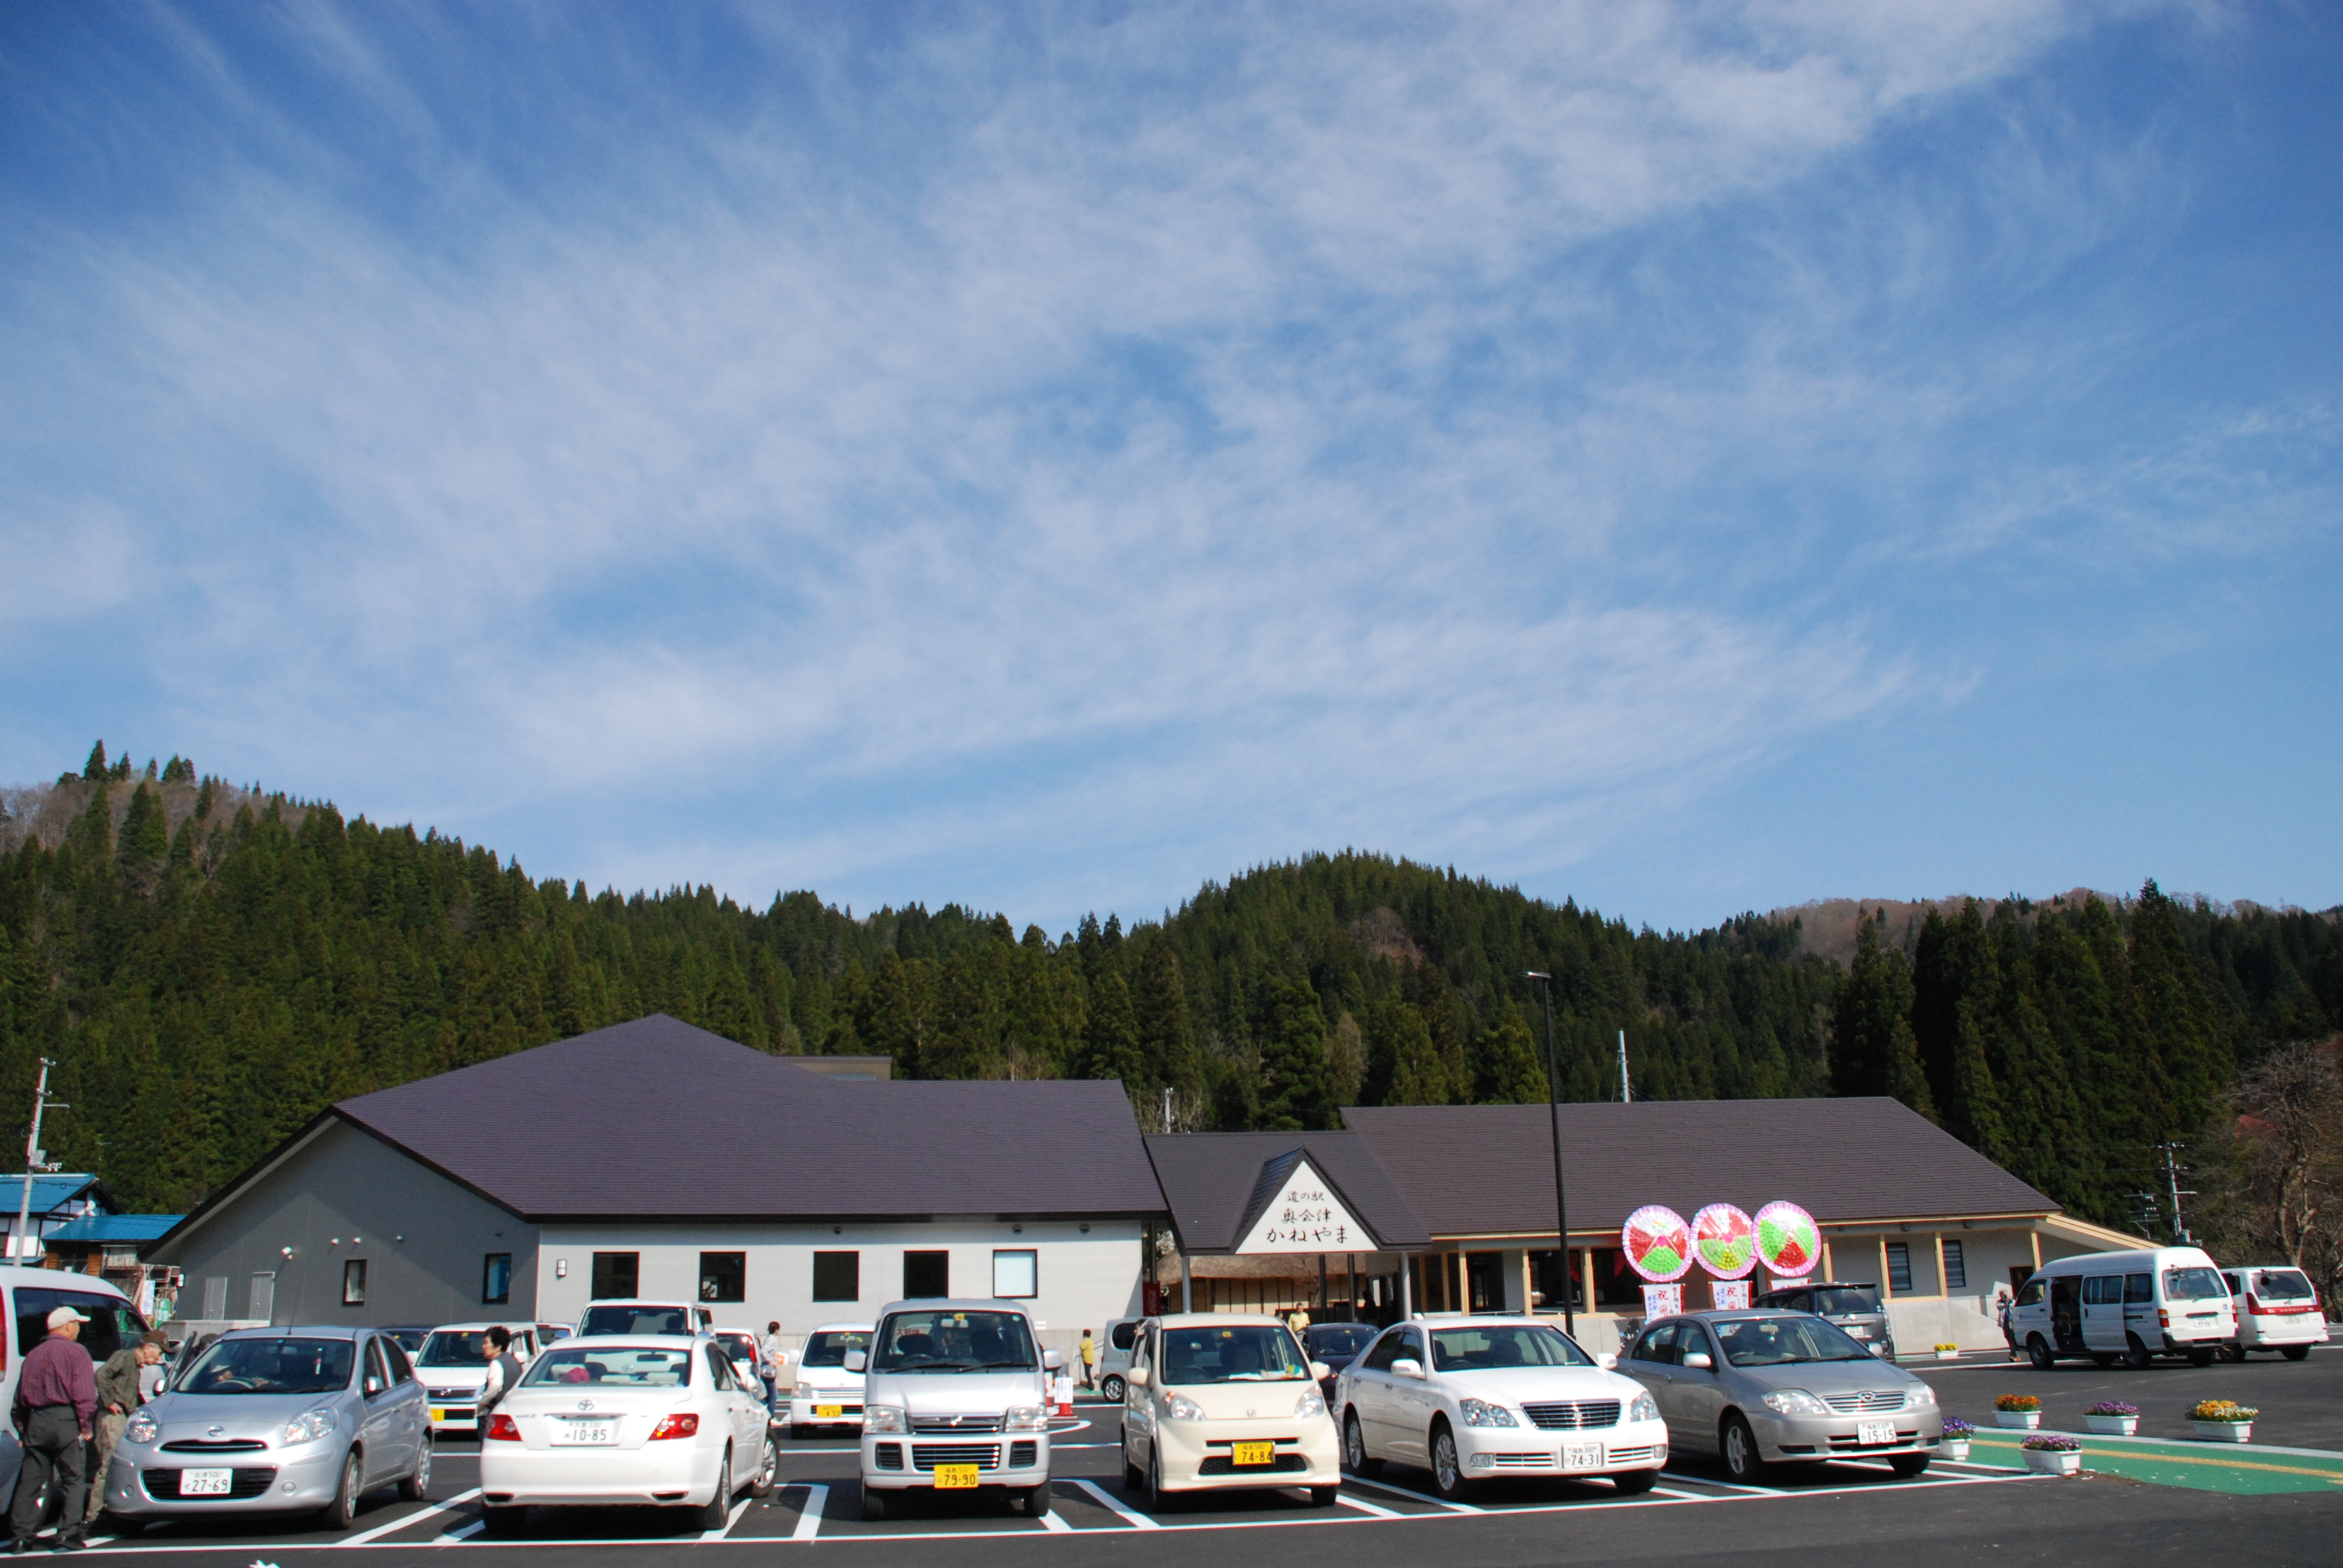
[1872, 1050]
[1508, 1070]
[1166, 1039]
[1111, 1036]
[2184, 1035]
[146, 837]
[1294, 1089]
[95, 769]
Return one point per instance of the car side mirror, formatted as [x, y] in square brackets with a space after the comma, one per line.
[373, 1385]
[1136, 1377]
[1319, 1371]
[1607, 1361]
[1407, 1366]
[856, 1361]
[1698, 1361]
[1052, 1361]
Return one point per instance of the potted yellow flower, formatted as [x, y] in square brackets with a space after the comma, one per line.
[2020, 1411]
[2223, 1421]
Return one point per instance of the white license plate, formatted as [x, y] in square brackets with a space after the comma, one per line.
[573, 1432]
[1867, 1432]
[1582, 1456]
[205, 1483]
[1857, 1331]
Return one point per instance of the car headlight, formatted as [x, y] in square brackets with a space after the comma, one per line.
[1028, 1418]
[1312, 1404]
[883, 1418]
[307, 1428]
[142, 1429]
[1796, 1401]
[1920, 1397]
[1179, 1407]
[1481, 1413]
[1642, 1408]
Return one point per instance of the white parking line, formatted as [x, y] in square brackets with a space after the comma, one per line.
[1364, 1506]
[1106, 1500]
[721, 1531]
[416, 1517]
[1051, 1522]
[809, 1517]
[464, 1533]
[1727, 1485]
[1419, 1496]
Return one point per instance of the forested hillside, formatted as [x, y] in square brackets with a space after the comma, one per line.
[210, 965]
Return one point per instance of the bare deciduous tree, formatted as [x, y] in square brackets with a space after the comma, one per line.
[2273, 1187]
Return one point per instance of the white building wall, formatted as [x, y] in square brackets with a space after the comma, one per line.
[1087, 1273]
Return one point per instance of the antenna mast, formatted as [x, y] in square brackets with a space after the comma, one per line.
[36, 1159]
[1626, 1095]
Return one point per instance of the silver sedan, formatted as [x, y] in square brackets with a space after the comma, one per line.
[1774, 1387]
[287, 1420]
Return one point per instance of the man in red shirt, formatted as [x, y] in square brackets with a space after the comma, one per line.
[56, 1400]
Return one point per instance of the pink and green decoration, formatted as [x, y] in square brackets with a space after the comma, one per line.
[1788, 1244]
[1658, 1243]
[1725, 1240]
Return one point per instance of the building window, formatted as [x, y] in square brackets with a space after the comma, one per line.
[723, 1276]
[1956, 1268]
[354, 1283]
[1016, 1274]
[617, 1274]
[1899, 1268]
[838, 1276]
[925, 1274]
[496, 1279]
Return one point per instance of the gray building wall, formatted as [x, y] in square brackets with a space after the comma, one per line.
[343, 1195]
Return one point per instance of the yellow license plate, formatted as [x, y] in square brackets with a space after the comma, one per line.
[955, 1477]
[1253, 1453]
[828, 1412]
[438, 1415]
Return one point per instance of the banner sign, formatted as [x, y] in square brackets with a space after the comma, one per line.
[1725, 1239]
[1663, 1302]
[1305, 1217]
[1729, 1295]
[1783, 1284]
[1787, 1240]
[1658, 1243]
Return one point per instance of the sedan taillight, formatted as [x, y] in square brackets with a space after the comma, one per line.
[503, 1429]
[681, 1424]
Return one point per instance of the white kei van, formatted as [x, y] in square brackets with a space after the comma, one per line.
[33, 1295]
[2278, 1310]
[2125, 1306]
[1114, 1357]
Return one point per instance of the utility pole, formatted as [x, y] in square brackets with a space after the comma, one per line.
[1625, 1097]
[2173, 1190]
[36, 1158]
[1554, 1120]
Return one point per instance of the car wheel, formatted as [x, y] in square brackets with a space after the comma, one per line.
[1037, 1501]
[2233, 1352]
[1447, 1470]
[2201, 1358]
[1355, 1456]
[1158, 1500]
[1739, 1446]
[1324, 1496]
[502, 1522]
[417, 1484]
[874, 1506]
[1908, 1464]
[2291, 1353]
[343, 1510]
[718, 1511]
[2136, 1355]
[1111, 1389]
[2038, 1351]
[1632, 1482]
[768, 1469]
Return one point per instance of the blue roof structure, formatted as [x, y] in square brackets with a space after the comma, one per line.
[50, 1192]
[114, 1228]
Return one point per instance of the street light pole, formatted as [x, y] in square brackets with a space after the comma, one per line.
[1554, 1120]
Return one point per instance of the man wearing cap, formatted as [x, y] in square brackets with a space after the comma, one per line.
[55, 1412]
[120, 1392]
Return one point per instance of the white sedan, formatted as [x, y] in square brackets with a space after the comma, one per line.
[1472, 1399]
[626, 1421]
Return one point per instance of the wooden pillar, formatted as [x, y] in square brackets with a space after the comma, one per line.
[2034, 1234]
[1938, 1238]
[1885, 1289]
[1828, 1272]
[1586, 1269]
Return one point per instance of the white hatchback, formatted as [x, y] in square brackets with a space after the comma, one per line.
[826, 1394]
[2278, 1310]
[1473, 1399]
[626, 1421]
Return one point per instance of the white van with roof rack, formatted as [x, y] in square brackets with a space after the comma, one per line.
[2130, 1307]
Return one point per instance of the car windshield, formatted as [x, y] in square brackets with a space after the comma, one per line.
[612, 1366]
[1242, 1352]
[828, 1348]
[1781, 1342]
[940, 1340]
[455, 1347]
[1844, 1301]
[2283, 1285]
[636, 1320]
[1498, 1345]
[2195, 1284]
[409, 1340]
[272, 1366]
[1340, 1339]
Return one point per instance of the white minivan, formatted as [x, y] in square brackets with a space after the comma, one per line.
[2278, 1310]
[955, 1398]
[2125, 1306]
[33, 1295]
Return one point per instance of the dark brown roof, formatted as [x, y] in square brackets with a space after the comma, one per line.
[655, 1120]
[1211, 1181]
[1488, 1170]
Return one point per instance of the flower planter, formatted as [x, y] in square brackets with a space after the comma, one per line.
[1955, 1449]
[2022, 1419]
[1947, 1355]
[2114, 1425]
[2052, 1464]
[2224, 1430]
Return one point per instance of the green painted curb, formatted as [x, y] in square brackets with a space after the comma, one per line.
[2232, 1468]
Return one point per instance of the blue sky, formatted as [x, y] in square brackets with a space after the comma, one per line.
[1690, 459]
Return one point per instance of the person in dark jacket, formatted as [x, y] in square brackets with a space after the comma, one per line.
[120, 1392]
[504, 1371]
[54, 1413]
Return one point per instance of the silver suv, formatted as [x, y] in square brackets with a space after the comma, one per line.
[1853, 1308]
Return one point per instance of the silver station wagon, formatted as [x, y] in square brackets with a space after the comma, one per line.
[293, 1420]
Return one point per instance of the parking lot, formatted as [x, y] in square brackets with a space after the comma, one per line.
[1693, 1510]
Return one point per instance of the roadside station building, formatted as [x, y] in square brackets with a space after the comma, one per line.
[653, 1159]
